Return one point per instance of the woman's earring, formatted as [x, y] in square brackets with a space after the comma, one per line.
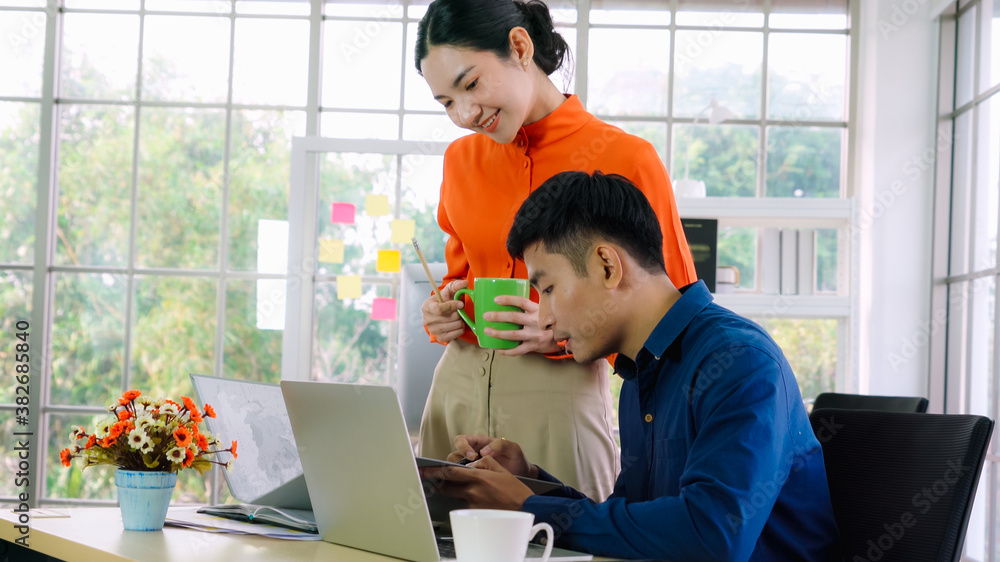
[525, 63]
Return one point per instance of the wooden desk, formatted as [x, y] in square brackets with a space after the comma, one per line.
[95, 534]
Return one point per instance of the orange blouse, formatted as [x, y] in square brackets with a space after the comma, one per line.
[485, 183]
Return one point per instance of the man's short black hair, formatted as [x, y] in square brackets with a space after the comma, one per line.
[571, 209]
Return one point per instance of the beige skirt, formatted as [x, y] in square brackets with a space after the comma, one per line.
[558, 411]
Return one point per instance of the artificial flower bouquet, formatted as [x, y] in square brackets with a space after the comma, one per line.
[149, 435]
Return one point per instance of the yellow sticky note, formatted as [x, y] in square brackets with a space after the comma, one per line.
[348, 286]
[331, 251]
[403, 230]
[377, 205]
[388, 261]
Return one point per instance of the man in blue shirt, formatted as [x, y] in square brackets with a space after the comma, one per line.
[719, 461]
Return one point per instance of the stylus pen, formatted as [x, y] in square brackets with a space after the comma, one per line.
[427, 268]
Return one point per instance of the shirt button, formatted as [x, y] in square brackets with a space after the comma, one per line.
[649, 417]
[486, 356]
[525, 164]
[482, 371]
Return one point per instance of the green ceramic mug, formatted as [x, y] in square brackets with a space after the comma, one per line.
[483, 295]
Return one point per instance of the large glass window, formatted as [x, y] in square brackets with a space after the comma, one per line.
[964, 349]
[157, 171]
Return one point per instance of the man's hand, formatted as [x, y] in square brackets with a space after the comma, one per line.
[504, 453]
[532, 337]
[484, 484]
[441, 318]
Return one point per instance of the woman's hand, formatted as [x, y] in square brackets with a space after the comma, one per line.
[532, 338]
[441, 318]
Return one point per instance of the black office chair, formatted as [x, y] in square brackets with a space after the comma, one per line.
[902, 484]
[915, 404]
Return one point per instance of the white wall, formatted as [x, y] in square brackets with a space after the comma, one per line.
[894, 149]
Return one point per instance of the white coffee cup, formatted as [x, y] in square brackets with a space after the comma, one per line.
[493, 535]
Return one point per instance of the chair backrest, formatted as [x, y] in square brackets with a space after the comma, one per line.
[863, 402]
[902, 484]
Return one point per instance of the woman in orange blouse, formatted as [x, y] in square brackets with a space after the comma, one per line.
[489, 63]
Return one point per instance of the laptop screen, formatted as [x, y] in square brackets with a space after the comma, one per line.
[253, 414]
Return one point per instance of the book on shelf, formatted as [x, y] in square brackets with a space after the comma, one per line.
[298, 519]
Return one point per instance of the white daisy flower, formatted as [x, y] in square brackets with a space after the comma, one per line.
[176, 455]
[137, 438]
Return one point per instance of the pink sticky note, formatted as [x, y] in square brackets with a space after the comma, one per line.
[384, 309]
[342, 213]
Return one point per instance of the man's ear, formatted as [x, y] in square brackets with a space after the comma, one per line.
[610, 261]
[521, 46]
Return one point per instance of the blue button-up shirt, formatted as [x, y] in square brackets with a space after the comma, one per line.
[718, 459]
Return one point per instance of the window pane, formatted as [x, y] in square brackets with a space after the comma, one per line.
[19, 124]
[803, 161]
[738, 248]
[961, 197]
[381, 10]
[984, 235]
[353, 50]
[195, 69]
[421, 189]
[437, 128]
[347, 125]
[251, 352]
[810, 346]
[180, 187]
[15, 306]
[629, 14]
[272, 72]
[349, 346]
[723, 156]
[349, 178]
[95, 180]
[989, 55]
[260, 162]
[807, 76]
[88, 338]
[97, 483]
[418, 93]
[99, 57]
[272, 8]
[23, 52]
[654, 132]
[622, 83]
[827, 247]
[964, 64]
[102, 4]
[737, 14]
[173, 334]
[724, 66]
[982, 301]
[220, 7]
[27, 3]
[796, 14]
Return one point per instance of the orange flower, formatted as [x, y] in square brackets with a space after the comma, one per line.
[66, 457]
[196, 416]
[233, 450]
[90, 441]
[183, 436]
[131, 394]
[201, 441]
[188, 458]
[188, 403]
[209, 411]
[107, 442]
[124, 415]
[117, 429]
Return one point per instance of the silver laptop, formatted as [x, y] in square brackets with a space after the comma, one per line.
[361, 472]
[268, 471]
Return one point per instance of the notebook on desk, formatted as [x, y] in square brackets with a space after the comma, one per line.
[361, 472]
[268, 471]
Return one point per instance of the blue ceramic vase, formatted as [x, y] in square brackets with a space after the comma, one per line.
[144, 498]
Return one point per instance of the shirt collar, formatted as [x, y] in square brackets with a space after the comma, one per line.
[567, 119]
[694, 298]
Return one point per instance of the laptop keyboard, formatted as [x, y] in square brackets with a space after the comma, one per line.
[446, 548]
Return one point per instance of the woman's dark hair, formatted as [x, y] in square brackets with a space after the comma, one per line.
[485, 25]
[570, 209]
